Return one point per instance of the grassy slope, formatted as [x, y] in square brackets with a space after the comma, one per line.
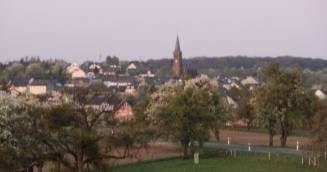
[244, 162]
[299, 133]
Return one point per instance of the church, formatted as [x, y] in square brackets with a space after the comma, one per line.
[177, 63]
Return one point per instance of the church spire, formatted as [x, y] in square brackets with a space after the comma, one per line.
[177, 64]
[177, 46]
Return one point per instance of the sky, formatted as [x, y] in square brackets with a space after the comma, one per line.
[78, 30]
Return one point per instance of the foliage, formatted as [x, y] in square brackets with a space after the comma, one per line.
[320, 128]
[187, 110]
[71, 133]
[112, 60]
[245, 111]
[281, 100]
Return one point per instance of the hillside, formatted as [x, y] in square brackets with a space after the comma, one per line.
[232, 64]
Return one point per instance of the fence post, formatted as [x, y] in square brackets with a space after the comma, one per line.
[309, 160]
[269, 156]
[249, 149]
[196, 158]
[228, 140]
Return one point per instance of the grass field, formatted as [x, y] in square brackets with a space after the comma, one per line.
[242, 163]
[299, 133]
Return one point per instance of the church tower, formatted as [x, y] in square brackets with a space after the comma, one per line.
[177, 65]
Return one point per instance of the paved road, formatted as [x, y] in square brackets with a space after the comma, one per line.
[260, 149]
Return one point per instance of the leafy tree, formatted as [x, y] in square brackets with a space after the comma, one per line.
[88, 135]
[19, 147]
[72, 133]
[319, 130]
[112, 60]
[245, 111]
[187, 110]
[35, 70]
[280, 100]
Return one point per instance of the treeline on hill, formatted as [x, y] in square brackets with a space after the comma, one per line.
[315, 70]
[229, 65]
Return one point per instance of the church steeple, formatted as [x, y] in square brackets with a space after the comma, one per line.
[177, 46]
[177, 65]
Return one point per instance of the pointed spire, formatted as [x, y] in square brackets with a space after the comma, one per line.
[177, 46]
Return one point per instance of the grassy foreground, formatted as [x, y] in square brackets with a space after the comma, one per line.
[243, 162]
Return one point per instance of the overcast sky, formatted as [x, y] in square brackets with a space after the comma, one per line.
[77, 30]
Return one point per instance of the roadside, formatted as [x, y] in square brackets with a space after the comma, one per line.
[255, 138]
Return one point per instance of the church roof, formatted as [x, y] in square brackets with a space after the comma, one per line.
[177, 46]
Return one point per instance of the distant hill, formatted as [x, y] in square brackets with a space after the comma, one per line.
[226, 65]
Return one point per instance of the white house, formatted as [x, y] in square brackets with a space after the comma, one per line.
[249, 80]
[320, 94]
[75, 71]
[131, 66]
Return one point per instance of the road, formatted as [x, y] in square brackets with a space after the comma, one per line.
[259, 149]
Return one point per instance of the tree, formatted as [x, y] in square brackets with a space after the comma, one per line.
[281, 100]
[245, 111]
[263, 109]
[19, 147]
[112, 61]
[81, 136]
[72, 133]
[319, 130]
[187, 110]
[35, 70]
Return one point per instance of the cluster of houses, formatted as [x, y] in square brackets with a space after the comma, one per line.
[109, 78]
[113, 80]
[249, 82]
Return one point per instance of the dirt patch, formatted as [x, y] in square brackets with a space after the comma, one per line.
[159, 150]
[240, 137]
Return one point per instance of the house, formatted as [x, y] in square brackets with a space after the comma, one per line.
[18, 86]
[231, 102]
[249, 81]
[131, 66]
[75, 71]
[148, 73]
[118, 81]
[104, 102]
[231, 85]
[124, 111]
[78, 82]
[130, 90]
[38, 87]
[320, 94]
[107, 71]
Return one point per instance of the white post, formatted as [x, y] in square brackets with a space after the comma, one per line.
[228, 140]
[302, 160]
[196, 158]
[297, 145]
[249, 147]
[325, 155]
[269, 156]
[309, 160]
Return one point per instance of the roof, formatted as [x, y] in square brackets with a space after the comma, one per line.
[130, 103]
[320, 94]
[35, 82]
[112, 100]
[19, 82]
[119, 78]
[177, 46]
